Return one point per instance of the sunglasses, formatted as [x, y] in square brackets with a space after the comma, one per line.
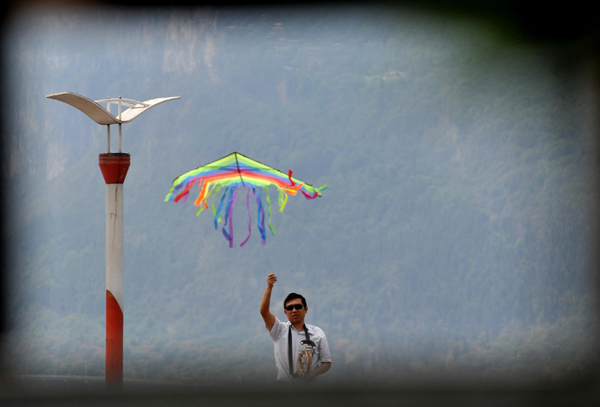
[291, 307]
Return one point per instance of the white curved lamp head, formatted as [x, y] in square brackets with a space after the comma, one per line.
[102, 116]
[95, 112]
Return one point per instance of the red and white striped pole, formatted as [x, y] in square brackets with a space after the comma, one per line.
[114, 168]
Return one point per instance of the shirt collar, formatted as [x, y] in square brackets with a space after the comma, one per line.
[308, 328]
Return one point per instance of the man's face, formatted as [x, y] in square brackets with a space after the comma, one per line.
[295, 315]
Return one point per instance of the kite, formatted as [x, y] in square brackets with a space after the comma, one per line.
[229, 174]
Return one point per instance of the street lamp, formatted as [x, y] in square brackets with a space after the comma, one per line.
[114, 168]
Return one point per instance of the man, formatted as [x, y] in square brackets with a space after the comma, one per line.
[292, 335]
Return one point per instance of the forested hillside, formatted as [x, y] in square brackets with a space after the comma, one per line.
[455, 239]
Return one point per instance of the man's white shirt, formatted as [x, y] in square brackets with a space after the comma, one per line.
[279, 334]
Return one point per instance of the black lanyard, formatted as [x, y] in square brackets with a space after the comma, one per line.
[290, 358]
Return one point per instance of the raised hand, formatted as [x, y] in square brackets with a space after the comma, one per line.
[271, 280]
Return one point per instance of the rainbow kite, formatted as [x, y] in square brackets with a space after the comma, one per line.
[233, 172]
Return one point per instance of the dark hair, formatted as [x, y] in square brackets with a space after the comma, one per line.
[293, 296]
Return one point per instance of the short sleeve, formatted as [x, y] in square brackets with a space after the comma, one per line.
[324, 354]
[277, 330]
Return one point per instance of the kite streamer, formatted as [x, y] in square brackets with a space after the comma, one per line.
[230, 174]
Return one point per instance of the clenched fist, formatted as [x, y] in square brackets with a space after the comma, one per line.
[271, 280]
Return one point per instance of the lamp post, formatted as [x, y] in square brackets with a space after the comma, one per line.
[114, 168]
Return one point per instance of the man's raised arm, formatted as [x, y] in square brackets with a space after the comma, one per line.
[265, 304]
